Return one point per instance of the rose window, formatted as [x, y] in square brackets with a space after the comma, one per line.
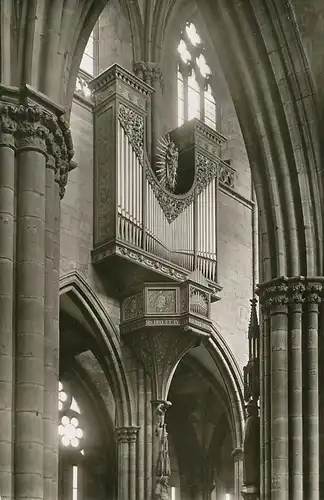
[70, 428]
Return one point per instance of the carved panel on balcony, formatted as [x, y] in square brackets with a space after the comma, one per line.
[133, 306]
[161, 301]
[199, 302]
[173, 320]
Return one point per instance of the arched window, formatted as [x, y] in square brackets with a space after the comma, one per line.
[71, 440]
[195, 97]
[87, 61]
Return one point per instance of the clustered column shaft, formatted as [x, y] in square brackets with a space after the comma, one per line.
[7, 213]
[289, 391]
[35, 152]
[126, 445]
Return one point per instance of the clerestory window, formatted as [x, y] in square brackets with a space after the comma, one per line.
[195, 96]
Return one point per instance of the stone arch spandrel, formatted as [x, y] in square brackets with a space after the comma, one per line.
[74, 285]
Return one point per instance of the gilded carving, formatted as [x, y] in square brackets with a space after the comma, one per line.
[167, 163]
[133, 124]
[173, 205]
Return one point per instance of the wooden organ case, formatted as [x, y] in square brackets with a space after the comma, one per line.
[152, 225]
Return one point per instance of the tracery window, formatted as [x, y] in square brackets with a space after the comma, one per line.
[70, 427]
[71, 439]
[195, 97]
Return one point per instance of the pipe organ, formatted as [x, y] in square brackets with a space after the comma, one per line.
[152, 224]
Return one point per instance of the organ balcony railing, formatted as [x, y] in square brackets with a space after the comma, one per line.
[152, 224]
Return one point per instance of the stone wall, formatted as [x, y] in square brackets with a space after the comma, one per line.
[77, 209]
[231, 313]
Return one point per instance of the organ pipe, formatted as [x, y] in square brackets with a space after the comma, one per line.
[188, 241]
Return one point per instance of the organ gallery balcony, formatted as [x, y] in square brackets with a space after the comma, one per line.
[161, 322]
[152, 225]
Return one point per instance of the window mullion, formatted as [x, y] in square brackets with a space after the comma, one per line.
[202, 100]
[185, 96]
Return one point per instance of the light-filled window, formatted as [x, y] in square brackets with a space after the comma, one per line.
[87, 61]
[70, 428]
[75, 482]
[195, 97]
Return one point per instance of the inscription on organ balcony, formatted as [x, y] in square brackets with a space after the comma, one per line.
[151, 225]
[184, 305]
[162, 322]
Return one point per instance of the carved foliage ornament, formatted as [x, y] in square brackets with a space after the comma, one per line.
[171, 204]
[291, 291]
[126, 434]
[151, 72]
[133, 124]
[33, 126]
[133, 306]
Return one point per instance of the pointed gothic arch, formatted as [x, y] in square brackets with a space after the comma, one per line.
[104, 329]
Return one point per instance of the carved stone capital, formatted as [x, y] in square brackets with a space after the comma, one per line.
[126, 434]
[8, 127]
[291, 291]
[150, 72]
[27, 126]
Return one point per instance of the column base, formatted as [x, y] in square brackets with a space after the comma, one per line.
[250, 493]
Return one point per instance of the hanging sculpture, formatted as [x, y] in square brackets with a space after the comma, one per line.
[163, 467]
[251, 444]
[167, 161]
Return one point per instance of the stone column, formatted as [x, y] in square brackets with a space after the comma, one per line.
[289, 401]
[7, 214]
[126, 438]
[30, 282]
[43, 148]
